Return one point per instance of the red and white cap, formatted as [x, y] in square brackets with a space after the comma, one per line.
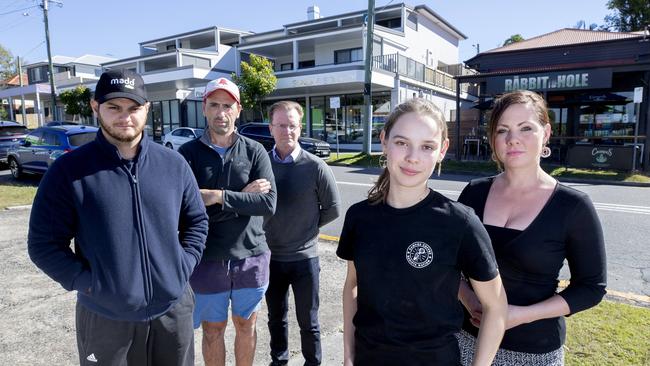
[222, 84]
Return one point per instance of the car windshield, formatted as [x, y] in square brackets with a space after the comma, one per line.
[12, 130]
[81, 138]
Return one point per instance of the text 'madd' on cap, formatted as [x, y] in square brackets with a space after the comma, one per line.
[222, 84]
[120, 84]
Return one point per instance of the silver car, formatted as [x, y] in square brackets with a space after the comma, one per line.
[178, 136]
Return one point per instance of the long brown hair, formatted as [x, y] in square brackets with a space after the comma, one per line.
[421, 107]
[506, 100]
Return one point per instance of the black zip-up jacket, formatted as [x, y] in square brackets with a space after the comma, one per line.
[236, 227]
[139, 233]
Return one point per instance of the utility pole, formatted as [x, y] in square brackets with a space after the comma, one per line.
[49, 60]
[367, 89]
[22, 96]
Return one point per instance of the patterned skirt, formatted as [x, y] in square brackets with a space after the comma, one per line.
[506, 357]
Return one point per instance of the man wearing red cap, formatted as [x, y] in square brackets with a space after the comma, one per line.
[236, 182]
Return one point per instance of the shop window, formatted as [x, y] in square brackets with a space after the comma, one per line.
[610, 116]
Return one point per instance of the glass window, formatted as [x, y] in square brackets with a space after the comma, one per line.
[607, 116]
[191, 113]
[51, 139]
[347, 56]
[12, 130]
[317, 110]
[201, 122]
[177, 132]
[166, 118]
[286, 67]
[81, 138]
[157, 121]
[175, 115]
[353, 128]
[34, 138]
[381, 107]
[306, 64]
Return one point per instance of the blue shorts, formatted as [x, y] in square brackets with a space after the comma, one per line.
[240, 283]
[214, 307]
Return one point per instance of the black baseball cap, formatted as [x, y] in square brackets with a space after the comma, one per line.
[120, 84]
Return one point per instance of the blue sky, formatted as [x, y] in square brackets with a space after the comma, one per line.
[115, 27]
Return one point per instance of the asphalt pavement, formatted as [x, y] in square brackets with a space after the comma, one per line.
[37, 315]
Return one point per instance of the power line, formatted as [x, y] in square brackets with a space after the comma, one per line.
[10, 5]
[17, 10]
[16, 24]
[33, 49]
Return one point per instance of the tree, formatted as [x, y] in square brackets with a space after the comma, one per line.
[7, 64]
[256, 81]
[581, 24]
[77, 102]
[513, 39]
[628, 16]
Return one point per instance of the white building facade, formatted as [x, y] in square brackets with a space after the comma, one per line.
[415, 54]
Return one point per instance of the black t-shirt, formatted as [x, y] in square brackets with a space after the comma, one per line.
[568, 228]
[408, 264]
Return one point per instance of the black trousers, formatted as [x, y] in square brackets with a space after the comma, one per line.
[167, 340]
[303, 277]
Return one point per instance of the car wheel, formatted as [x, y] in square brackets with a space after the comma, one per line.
[16, 170]
[169, 145]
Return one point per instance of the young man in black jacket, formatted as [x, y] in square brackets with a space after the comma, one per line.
[135, 213]
[238, 189]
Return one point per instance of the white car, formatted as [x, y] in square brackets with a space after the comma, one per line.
[178, 136]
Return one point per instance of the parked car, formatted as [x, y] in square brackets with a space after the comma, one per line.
[178, 136]
[38, 150]
[260, 132]
[10, 134]
[62, 123]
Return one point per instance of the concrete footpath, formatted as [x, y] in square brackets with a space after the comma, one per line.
[37, 315]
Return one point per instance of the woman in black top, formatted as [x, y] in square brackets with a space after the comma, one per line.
[534, 224]
[406, 246]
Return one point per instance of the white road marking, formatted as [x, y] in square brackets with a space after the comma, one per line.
[614, 207]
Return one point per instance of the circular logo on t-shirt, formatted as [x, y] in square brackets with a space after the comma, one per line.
[419, 254]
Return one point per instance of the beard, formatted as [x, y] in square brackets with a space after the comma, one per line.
[222, 130]
[120, 135]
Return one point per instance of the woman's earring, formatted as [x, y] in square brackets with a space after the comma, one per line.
[383, 161]
[546, 152]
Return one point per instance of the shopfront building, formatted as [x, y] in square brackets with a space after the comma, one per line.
[596, 87]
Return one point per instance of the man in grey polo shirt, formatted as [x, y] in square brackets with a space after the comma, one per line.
[307, 199]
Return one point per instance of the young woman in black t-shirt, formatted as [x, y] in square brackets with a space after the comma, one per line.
[535, 223]
[406, 246]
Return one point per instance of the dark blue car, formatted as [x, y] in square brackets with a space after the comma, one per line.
[42, 146]
[10, 134]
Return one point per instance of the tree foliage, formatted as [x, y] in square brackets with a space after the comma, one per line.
[7, 64]
[513, 39]
[256, 81]
[628, 16]
[77, 101]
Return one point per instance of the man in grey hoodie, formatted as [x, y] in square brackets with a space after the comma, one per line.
[307, 199]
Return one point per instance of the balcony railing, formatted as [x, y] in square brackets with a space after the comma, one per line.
[412, 69]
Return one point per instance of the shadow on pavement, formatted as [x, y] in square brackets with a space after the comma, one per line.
[27, 181]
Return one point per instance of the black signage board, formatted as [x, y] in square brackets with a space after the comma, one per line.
[601, 157]
[551, 81]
